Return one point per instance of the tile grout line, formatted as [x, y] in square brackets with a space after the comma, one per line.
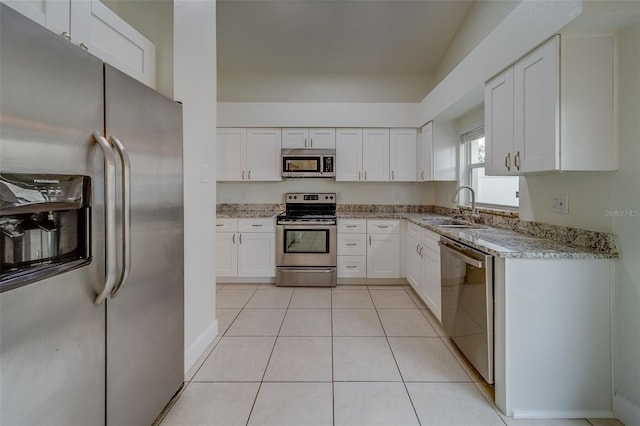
[275, 342]
[333, 383]
[404, 384]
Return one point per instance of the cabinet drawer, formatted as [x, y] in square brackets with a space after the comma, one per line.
[352, 266]
[352, 244]
[256, 225]
[383, 226]
[226, 225]
[352, 226]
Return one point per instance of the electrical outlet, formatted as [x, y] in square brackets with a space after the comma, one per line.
[560, 204]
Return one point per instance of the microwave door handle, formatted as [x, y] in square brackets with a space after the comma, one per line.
[109, 217]
[126, 215]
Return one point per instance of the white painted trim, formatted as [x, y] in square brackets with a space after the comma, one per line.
[625, 410]
[578, 414]
[199, 345]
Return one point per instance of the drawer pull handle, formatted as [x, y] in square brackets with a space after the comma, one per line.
[351, 267]
[352, 244]
[383, 226]
[352, 226]
[219, 224]
[233, 238]
[256, 225]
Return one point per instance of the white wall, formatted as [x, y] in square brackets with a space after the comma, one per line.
[195, 86]
[348, 192]
[482, 17]
[331, 87]
[589, 196]
[626, 196]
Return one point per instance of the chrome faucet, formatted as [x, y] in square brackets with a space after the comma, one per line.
[456, 199]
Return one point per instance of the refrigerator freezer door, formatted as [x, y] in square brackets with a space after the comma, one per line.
[145, 319]
[52, 347]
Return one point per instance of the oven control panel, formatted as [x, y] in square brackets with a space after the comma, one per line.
[301, 197]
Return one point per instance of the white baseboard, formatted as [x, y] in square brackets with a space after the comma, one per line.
[569, 414]
[626, 411]
[199, 345]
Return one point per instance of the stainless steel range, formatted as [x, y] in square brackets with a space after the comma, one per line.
[306, 249]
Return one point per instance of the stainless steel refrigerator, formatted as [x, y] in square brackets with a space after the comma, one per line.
[100, 342]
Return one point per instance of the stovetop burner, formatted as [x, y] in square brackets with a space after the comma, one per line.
[309, 207]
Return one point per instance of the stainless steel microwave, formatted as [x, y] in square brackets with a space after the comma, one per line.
[308, 163]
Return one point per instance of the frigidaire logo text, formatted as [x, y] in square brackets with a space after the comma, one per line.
[46, 181]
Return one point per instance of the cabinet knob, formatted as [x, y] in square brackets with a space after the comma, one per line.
[84, 46]
[65, 35]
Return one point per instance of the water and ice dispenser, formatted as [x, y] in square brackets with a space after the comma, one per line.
[44, 226]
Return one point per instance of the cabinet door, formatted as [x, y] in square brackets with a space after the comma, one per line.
[226, 254]
[52, 14]
[375, 154]
[383, 256]
[402, 154]
[445, 151]
[498, 124]
[349, 155]
[231, 146]
[256, 254]
[322, 138]
[431, 287]
[425, 153]
[536, 121]
[263, 154]
[414, 262]
[113, 40]
[295, 138]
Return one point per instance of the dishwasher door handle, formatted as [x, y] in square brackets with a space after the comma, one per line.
[460, 255]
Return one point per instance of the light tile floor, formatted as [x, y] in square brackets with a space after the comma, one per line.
[356, 355]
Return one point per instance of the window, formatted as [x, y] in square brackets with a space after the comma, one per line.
[498, 191]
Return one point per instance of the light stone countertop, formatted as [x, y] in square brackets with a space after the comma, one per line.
[492, 240]
[496, 241]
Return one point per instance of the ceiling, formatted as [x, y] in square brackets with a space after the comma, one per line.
[336, 36]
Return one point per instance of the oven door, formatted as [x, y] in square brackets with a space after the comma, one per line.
[306, 245]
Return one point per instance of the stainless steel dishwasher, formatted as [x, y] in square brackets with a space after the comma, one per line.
[467, 302]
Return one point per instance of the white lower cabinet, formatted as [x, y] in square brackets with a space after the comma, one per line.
[383, 249]
[423, 266]
[352, 248]
[245, 247]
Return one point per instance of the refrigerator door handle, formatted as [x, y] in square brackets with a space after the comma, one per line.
[126, 215]
[109, 217]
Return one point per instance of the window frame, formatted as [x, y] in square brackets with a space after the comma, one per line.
[466, 171]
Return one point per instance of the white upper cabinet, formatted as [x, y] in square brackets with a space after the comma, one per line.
[92, 26]
[349, 155]
[263, 155]
[231, 147]
[402, 154]
[554, 109]
[248, 154]
[362, 155]
[375, 155]
[498, 124]
[437, 152]
[309, 138]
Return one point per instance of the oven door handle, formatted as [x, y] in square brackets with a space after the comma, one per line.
[466, 259]
[315, 271]
[304, 224]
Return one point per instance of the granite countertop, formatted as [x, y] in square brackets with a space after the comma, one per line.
[493, 240]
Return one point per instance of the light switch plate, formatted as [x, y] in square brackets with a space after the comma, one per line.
[560, 204]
